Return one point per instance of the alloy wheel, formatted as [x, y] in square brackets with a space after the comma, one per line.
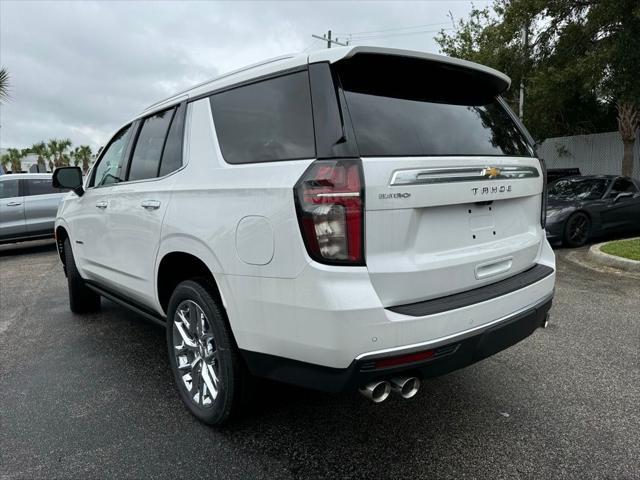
[579, 229]
[196, 354]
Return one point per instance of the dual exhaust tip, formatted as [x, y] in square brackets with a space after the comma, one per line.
[379, 391]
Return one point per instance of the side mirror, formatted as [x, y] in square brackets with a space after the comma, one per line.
[68, 177]
[622, 195]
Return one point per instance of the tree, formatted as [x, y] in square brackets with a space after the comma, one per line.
[14, 157]
[581, 69]
[58, 152]
[4, 84]
[83, 154]
[41, 151]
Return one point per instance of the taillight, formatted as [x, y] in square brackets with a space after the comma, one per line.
[543, 203]
[330, 206]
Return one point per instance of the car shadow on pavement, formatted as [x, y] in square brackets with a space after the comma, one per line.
[280, 419]
[31, 247]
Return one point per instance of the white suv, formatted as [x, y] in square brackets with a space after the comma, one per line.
[355, 218]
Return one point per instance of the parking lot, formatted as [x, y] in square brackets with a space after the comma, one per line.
[92, 397]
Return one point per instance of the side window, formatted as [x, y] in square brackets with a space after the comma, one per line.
[109, 168]
[622, 185]
[265, 121]
[172, 154]
[147, 154]
[8, 188]
[39, 186]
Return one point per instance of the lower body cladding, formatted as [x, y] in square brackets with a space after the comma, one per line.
[377, 375]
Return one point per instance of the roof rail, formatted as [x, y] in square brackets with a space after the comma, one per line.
[215, 79]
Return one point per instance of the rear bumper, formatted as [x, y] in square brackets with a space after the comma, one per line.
[449, 354]
[329, 316]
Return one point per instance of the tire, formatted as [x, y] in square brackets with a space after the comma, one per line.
[577, 230]
[210, 339]
[81, 298]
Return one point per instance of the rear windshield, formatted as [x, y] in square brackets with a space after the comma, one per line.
[415, 108]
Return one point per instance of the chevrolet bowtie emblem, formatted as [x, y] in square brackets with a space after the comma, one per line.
[491, 172]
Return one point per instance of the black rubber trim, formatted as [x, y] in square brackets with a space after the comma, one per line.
[127, 303]
[477, 295]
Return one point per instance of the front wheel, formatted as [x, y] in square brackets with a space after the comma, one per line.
[81, 298]
[577, 230]
[207, 369]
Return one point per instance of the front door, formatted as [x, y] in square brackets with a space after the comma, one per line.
[91, 244]
[624, 213]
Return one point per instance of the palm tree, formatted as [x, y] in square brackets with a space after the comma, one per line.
[52, 150]
[40, 149]
[59, 155]
[83, 154]
[14, 158]
[4, 84]
[4, 161]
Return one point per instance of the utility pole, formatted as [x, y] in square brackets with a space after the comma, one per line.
[329, 40]
[525, 43]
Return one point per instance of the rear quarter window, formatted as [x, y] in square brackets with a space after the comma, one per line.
[266, 121]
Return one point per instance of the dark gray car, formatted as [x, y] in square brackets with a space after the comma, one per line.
[28, 206]
[582, 207]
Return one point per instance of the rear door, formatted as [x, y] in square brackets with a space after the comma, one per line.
[137, 206]
[453, 190]
[41, 201]
[12, 224]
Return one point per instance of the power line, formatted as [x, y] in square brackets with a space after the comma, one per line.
[404, 34]
[394, 29]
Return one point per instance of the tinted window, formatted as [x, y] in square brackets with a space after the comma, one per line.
[265, 121]
[145, 162]
[40, 186]
[622, 185]
[8, 188]
[408, 108]
[172, 155]
[109, 169]
[579, 189]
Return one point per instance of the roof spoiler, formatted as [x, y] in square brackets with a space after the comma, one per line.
[497, 81]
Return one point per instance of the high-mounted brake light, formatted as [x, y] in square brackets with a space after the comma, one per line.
[330, 206]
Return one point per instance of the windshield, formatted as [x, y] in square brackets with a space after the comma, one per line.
[578, 189]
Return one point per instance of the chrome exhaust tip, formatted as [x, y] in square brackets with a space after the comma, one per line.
[377, 392]
[545, 324]
[406, 387]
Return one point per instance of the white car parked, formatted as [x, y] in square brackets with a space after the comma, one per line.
[354, 218]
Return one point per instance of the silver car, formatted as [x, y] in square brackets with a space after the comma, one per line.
[28, 206]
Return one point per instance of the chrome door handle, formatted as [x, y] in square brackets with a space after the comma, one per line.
[150, 204]
[102, 204]
[14, 204]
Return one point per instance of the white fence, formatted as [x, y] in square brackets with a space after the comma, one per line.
[596, 154]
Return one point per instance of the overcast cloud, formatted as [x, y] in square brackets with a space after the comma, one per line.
[81, 69]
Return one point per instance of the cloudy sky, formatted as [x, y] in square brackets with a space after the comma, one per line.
[80, 69]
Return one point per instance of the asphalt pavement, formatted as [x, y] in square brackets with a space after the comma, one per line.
[92, 397]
